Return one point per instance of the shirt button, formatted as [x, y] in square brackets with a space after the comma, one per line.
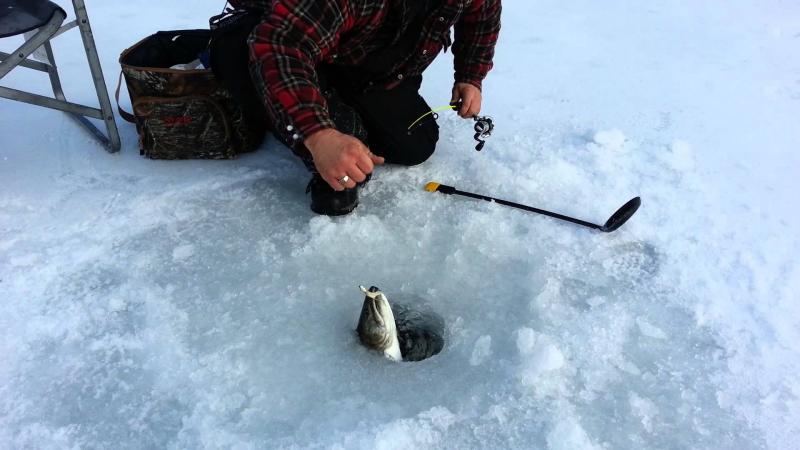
[441, 19]
[425, 52]
[400, 76]
[295, 136]
[289, 128]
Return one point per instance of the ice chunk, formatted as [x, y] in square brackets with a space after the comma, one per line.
[539, 356]
[613, 140]
[568, 434]
[481, 351]
[650, 330]
[526, 340]
[425, 430]
[645, 409]
[595, 301]
[24, 260]
[680, 156]
[182, 252]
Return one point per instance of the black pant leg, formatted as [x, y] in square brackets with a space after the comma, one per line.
[387, 115]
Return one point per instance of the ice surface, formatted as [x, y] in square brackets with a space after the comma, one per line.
[167, 304]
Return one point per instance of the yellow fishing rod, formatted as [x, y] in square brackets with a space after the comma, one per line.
[431, 112]
[483, 124]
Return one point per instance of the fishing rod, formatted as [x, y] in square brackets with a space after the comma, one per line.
[483, 124]
[614, 222]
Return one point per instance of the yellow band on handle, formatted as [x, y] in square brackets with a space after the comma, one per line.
[432, 186]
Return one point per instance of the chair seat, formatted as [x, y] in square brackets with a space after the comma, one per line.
[21, 16]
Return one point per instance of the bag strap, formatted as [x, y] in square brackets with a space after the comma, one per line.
[124, 114]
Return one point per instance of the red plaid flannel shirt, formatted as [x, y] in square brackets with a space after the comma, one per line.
[297, 35]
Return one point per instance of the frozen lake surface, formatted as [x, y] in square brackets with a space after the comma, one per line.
[200, 304]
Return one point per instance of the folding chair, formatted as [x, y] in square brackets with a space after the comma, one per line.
[42, 21]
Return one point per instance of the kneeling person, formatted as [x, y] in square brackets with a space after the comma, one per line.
[340, 80]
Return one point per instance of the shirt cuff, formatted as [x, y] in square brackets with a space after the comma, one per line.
[472, 79]
[307, 122]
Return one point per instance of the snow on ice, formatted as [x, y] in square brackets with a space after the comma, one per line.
[200, 304]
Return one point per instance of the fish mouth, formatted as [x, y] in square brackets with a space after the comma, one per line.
[375, 310]
[373, 304]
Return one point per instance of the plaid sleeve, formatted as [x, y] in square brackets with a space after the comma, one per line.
[475, 37]
[285, 49]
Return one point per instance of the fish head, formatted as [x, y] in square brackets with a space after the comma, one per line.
[376, 326]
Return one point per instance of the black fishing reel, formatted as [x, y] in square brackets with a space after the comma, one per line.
[483, 129]
[483, 125]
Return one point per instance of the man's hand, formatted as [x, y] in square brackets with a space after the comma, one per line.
[337, 154]
[470, 98]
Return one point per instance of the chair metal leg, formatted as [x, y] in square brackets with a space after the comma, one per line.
[30, 64]
[49, 102]
[52, 72]
[113, 143]
[58, 92]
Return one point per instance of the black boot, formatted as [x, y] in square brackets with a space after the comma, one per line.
[324, 200]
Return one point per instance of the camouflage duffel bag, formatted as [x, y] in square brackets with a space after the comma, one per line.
[180, 109]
